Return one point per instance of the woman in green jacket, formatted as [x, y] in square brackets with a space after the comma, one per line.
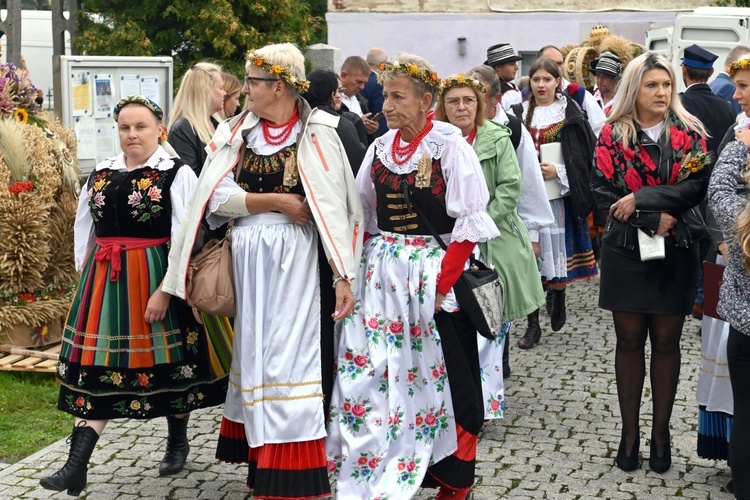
[462, 104]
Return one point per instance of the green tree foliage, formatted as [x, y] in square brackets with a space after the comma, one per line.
[191, 31]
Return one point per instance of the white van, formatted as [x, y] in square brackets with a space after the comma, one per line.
[716, 29]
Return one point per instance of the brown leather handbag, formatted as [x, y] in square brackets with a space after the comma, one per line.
[209, 285]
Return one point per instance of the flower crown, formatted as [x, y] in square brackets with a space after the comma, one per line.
[414, 71]
[278, 71]
[461, 81]
[738, 65]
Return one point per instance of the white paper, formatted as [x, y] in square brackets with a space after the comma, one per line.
[85, 128]
[106, 140]
[651, 247]
[150, 88]
[104, 97]
[129, 85]
[552, 153]
[80, 93]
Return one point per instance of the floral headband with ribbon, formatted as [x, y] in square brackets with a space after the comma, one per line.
[414, 71]
[138, 99]
[738, 65]
[278, 71]
[461, 81]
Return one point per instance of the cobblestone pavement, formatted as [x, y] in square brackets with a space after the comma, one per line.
[558, 439]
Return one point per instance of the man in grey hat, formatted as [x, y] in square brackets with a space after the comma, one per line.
[607, 69]
[504, 60]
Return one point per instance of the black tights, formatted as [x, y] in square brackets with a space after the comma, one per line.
[632, 329]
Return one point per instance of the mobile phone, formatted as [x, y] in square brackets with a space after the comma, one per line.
[376, 117]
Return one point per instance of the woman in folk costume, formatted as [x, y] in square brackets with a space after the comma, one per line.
[462, 104]
[296, 233]
[128, 349]
[407, 407]
[567, 252]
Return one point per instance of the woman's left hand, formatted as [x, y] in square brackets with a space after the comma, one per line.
[548, 171]
[439, 297]
[623, 208]
[156, 308]
[345, 300]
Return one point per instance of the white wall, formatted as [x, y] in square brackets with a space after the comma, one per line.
[36, 47]
[434, 36]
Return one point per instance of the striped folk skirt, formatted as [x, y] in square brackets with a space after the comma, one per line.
[113, 364]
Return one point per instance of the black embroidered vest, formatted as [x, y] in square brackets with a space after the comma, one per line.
[265, 174]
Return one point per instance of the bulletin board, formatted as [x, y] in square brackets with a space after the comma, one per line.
[88, 88]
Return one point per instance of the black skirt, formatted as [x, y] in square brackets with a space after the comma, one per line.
[665, 286]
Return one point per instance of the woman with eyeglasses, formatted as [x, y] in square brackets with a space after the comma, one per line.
[280, 172]
[322, 94]
[462, 104]
[191, 126]
[554, 118]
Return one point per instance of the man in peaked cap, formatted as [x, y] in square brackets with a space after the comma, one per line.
[607, 68]
[717, 117]
[504, 60]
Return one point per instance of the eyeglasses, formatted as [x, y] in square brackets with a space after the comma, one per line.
[249, 79]
[455, 101]
[341, 90]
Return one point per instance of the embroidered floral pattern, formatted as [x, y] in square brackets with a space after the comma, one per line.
[408, 470]
[381, 175]
[184, 372]
[143, 379]
[395, 423]
[354, 365]
[394, 336]
[133, 408]
[192, 339]
[97, 183]
[80, 405]
[255, 167]
[373, 328]
[146, 195]
[354, 413]
[415, 333]
[431, 423]
[495, 406]
[114, 378]
[367, 463]
[439, 376]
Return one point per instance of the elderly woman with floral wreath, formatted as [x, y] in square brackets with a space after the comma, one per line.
[649, 176]
[296, 243]
[461, 103]
[407, 405]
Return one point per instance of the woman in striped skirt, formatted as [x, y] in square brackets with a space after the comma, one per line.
[128, 349]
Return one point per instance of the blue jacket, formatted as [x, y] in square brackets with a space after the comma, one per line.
[373, 92]
[723, 87]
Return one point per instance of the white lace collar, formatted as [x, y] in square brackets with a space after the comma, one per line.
[433, 144]
[160, 160]
[742, 122]
[547, 115]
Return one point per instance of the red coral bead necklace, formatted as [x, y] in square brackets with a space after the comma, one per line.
[472, 136]
[406, 152]
[277, 139]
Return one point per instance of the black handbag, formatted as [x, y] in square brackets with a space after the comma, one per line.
[478, 290]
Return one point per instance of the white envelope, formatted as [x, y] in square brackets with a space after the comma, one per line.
[552, 153]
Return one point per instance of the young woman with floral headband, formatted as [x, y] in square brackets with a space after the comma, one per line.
[727, 197]
[296, 244]
[406, 393]
[462, 103]
[649, 176]
[128, 349]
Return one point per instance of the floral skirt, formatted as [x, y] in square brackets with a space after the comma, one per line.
[391, 411]
[571, 246]
[491, 366]
[113, 364]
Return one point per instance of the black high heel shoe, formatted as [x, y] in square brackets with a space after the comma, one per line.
[660, 464]
[625, 462]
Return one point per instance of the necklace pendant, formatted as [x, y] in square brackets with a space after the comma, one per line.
[424, 172]
[291, 174]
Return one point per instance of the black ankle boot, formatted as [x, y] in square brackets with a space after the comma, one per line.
[548, 300]
[533, 332]
[558, 317]
[72, 476]
[660, 464]
[506, 357]
[628, 462]
[177, 446]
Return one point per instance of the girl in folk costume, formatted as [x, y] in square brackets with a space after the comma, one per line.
[296, 233]
[407, 407]
[566, 250]
[462, 104]
[128, 350]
